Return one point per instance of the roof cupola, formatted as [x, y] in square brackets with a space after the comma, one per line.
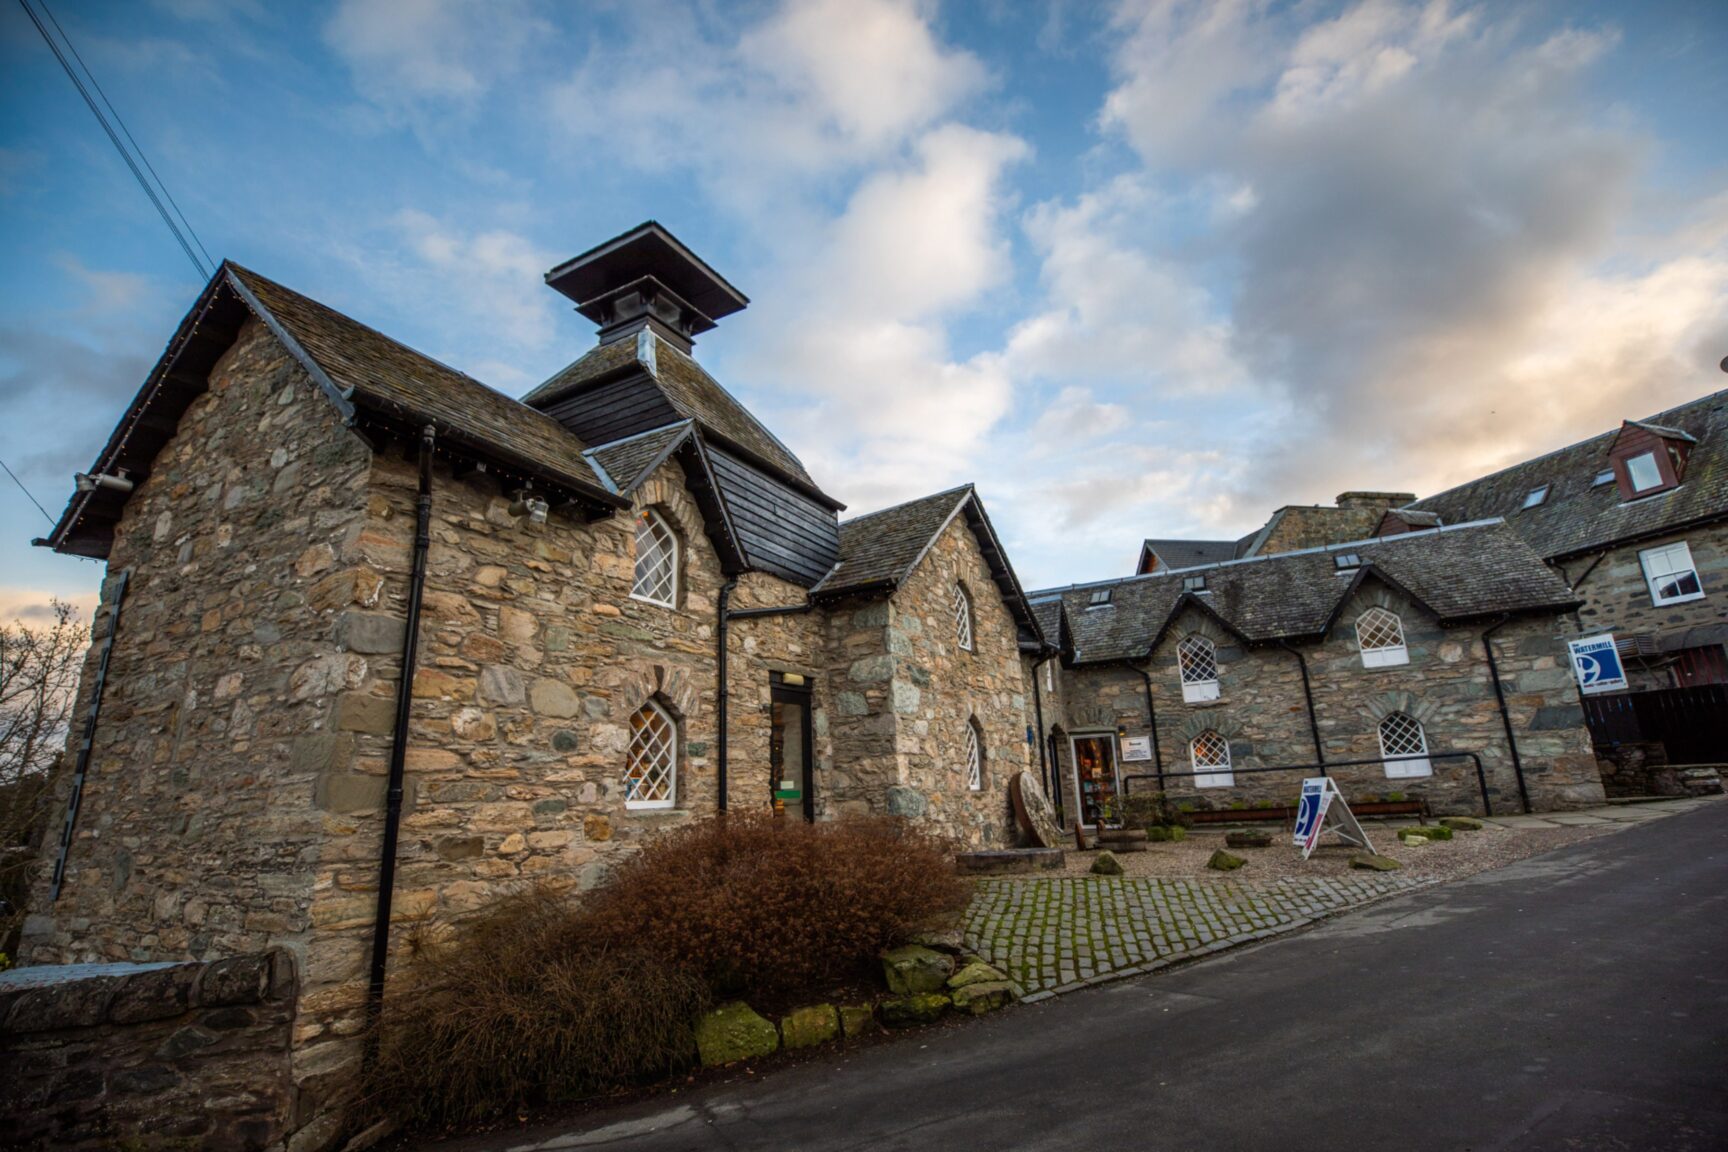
[647, 279]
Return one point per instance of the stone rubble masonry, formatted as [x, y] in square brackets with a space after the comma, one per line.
[1261, 712]
[1617, 598]
[189, 1056]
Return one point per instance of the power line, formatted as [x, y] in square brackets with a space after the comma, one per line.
[139, 148]
[71, 74]
[26, 492]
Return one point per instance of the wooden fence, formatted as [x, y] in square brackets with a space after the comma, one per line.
[1691, 723]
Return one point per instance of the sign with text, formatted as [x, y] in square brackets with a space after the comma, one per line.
[1596, 663]
[1322, 808]
[1136, 748]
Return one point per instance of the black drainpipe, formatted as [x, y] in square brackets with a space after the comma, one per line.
[1308, 697]
[1038, 717]
[1505, 713]
[721, 616]
[726, 616]
[1151, 721]
[399, 738]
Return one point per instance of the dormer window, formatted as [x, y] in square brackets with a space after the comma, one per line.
[1100, 598]
[1649, 458]
[1644, 472]
[1538, 495]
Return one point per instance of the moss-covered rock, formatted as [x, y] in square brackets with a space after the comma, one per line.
[857, 1020]
[1373, 862]
[1461, 823]
[1106, 865]
[913, 968]
[1223, 861]
[1412, 838]
[977, 999]
[810, 1026]
[734, 1032]
[906, 1011]
[977, 972]
[1434, 831]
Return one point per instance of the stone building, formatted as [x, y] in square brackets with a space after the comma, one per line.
[1289, 529]
[1384, 652]
[621, 603]
[1636, 520]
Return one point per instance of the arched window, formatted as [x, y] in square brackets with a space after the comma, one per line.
[1197, 660]
[1211, 750]
[656, 560]
[651, 768]
[1401, 735]
[1380, 635]
[963, 617]
[974, 757]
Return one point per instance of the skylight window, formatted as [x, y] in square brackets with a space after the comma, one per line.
[1347, 562]
[1606, 476]
[1193, 583]
[1100, 598]
[1538, 495]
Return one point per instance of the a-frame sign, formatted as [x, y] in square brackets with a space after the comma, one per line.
[1323, 809]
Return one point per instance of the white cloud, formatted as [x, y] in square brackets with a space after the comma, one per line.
[445, 51]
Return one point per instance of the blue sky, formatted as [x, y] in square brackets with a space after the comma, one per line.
[1143, 268]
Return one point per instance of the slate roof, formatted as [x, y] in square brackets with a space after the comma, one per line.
[378, 383]
[693, 393]
[1470, 571]
[879, 550]
[1187, 553]
[1580, 516]
[626, 462]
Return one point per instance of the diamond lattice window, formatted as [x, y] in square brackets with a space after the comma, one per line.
[1197, 660]
[656, 560]
[1211, 750]
[974, 758]
[651, 769]
[1380, 635]
[962, 618]
[1401, 735]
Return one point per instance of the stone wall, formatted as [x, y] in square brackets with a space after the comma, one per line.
[1617, 599]
[939, 688]
[196, 835]
[130, 1056]
[1262, 712]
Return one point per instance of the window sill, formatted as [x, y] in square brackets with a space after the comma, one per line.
[1673, 600]
[655, 603]
[1214, 702]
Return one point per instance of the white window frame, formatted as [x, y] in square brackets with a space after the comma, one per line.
[1382, 655]
[1223, 777]
[1405, 769]
[1197, 686]
[974, 757]
[1666, 563]
[963, 617]
[1050, 675]
[1537, 495]
[663, 745]
[655, 525]
[1655, 471]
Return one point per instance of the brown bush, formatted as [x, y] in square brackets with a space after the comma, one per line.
[757, 905]
[522, 1006]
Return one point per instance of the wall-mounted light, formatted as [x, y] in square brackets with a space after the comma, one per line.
[529, 505]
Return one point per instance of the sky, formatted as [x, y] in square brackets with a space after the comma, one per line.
[1144, 268]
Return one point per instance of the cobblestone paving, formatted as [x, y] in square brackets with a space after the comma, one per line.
[1054, 935]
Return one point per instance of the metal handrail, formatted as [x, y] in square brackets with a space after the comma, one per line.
[1481, 776]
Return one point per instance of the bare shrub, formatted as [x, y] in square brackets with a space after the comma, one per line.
[757, 905]
[38, 682]
[522, 1006]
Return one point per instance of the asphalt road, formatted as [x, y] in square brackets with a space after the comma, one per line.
[1577, 1000]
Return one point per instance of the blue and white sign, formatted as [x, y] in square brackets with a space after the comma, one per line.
[1311, 813]
[1596, 663]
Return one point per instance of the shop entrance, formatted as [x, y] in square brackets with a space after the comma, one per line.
[1095, 777]
[789, 750]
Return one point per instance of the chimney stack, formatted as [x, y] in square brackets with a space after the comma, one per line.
[1375, 500]
[647, 279]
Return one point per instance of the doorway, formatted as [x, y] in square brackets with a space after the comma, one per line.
[791, 764]
[1096, 782]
